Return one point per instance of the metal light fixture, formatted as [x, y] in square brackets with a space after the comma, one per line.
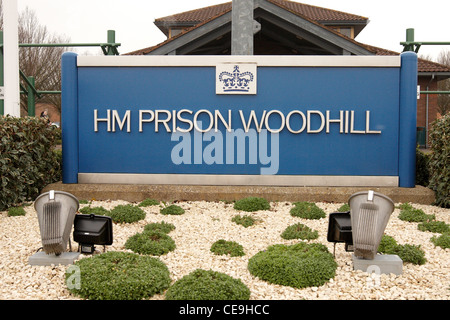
[90, 230]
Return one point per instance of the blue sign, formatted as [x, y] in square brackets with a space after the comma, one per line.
[344, 121]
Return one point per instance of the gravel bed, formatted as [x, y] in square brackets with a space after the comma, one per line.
[202, 224]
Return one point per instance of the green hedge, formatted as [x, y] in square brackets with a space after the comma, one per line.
[439, 162]
[28, 161]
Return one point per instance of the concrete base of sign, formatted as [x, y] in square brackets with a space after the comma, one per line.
[381, 264]
[43, 259]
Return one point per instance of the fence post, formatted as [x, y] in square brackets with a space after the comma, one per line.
[31, 98]
[2, 101]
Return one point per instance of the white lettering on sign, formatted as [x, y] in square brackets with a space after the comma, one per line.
[185, 120]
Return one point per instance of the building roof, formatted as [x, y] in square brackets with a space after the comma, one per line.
[194, 19]
[321, 15]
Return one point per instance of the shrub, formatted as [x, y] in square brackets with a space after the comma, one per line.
[159, 226]
[434, 226]
[252, 204]
[152, 242]
[208, 285]
[127, 213]
[27, 159]
[407, 252]
[300, 265]
[99, 211]
[16, 211]
[172, 210]
[222, 247]
[442, 241]
[148, 202]
[439, 162]
[299, 231]
[307, 210]
[410, 214]
[245, 220]
[422, 168]
[119, 276]
[344, 208]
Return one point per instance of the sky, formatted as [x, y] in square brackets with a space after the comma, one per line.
[87, 21]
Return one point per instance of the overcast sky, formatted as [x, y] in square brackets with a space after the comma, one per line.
[85, 21]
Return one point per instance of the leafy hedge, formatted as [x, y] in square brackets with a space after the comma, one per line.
[28, 161]
[439, 162]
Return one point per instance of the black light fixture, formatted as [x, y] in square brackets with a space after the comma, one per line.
[90, 230]
[340, 230]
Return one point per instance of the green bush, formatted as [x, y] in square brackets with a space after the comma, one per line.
[422, 168]
[442, 241]
[252, 204]
[299, 231]
[411, 214]
[99, 211]
[16, 211]
[208, 285]
[439, 162]
[407, 252]
[300, 265]
[159, 226]
[153, 242]
[344, 208]
[244, 220]
[172, 210]
[222, 247]
[28, 162]
[307, 210]
[148, 202]
[434, 226]
[127, 213]
[119, 276]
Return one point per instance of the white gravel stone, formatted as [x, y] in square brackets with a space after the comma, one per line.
[206, 222]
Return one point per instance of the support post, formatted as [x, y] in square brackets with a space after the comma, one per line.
[242, 27]
[111, 39]
[2, 101]
[11, 58]
[31, 98]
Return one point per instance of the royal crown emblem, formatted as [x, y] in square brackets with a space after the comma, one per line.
[242, 79]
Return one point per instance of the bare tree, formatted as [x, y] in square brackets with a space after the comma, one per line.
[43, 63]
[444, 85]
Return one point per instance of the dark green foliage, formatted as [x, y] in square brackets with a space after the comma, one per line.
[172, 210]
[299, 231]
[344, 208]
[127, 213]
[99, 211]
[422, 168]
[27, 159]
[434, 226]
[411, 214]
[407, 252]
[159, 226]
[222, 247]
[439, 162]
[119, 276]
[208, 285]
[153, 242]
[307, 210]
[252, 204]
[300, 265]
[16, 211]
[442, 241]
[245, 220]
[148, 202]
